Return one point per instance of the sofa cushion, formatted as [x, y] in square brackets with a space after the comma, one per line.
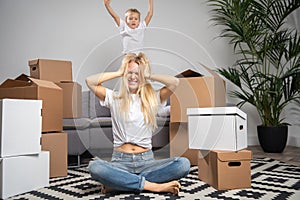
[85, 103]
[95, 109]
[78, 141]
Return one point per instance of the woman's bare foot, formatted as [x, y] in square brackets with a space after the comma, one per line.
[104, 189]
[172, 187]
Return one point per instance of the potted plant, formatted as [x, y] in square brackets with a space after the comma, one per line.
[267, 71]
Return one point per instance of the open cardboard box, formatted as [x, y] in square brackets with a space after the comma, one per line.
[25, 87]
[51, 70]
[196, 90]
[225, 170]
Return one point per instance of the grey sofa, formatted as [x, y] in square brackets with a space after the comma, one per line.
[93, 131]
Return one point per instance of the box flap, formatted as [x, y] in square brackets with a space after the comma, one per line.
[213, 73]
[191, 73]
[225, 156]
[188, 73]
[33, 62]
[24, 80]
[9, 83]
[45, 83]
[23, 77]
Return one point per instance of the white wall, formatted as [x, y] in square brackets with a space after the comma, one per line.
[179, 36]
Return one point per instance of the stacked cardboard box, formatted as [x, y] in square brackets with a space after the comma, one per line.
[49, 81]
[25, 87]
[221, 135]
[58, 72]
[217, 128]
[225, 170]
[21, 157]
[214, 142]
[194, 90]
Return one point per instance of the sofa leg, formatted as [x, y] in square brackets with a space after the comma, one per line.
[78, 160]
[78, 163]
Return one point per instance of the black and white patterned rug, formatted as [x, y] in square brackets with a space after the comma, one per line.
[271, 179]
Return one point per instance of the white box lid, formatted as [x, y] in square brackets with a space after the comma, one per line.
[216, 111]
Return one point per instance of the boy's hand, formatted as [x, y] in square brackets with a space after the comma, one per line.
[112, 12]
[150, 12]
[107, 2]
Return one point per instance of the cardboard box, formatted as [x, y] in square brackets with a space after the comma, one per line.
[24, 87]
[217, 128]
[51, 70]
[226, 170]
[20, 127]
[57, 145]
[20, 174]
[179, 142]
[196, 90]
[72, 99]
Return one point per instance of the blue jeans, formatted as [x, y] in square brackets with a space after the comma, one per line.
[128, 172]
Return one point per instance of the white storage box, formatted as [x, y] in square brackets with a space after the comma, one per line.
[217, 128]
[20, 174]
[20, 127]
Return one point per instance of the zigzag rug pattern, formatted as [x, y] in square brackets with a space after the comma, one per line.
[271, 179]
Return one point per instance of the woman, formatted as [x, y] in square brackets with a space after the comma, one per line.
[133, 110]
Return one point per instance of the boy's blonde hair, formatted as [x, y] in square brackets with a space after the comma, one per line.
[149, 101]
[132, 10]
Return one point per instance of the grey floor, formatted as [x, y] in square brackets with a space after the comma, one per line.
[290, 154]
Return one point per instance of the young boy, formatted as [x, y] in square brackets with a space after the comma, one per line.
[131, 29]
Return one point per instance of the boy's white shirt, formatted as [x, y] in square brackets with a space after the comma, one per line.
[132, 39]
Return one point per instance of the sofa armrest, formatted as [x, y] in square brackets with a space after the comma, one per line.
[99, 122]
[76, 123]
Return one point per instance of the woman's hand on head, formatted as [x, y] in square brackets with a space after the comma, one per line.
[121, 71]
[147, 72]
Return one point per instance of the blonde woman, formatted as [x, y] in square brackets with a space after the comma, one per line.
[133, 110]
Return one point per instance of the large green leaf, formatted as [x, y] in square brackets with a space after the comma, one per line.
[267, 72]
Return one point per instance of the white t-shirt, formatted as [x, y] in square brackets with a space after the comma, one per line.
[134, 130]
[132, 39]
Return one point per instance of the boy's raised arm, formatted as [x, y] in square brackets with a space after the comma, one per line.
[150, 12]
[112, 12]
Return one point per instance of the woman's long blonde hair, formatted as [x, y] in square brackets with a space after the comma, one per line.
[149, 101]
